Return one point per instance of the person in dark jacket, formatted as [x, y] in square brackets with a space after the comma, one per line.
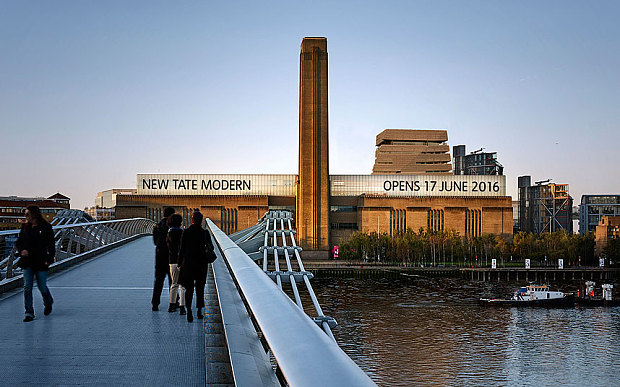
[174, 246]
[35, 246]
[162, 268]
[195, 243]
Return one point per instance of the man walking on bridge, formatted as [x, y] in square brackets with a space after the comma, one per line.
[162, 267]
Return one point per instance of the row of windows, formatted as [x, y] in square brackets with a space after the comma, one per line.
[473, 222]
[594, 200]
[18, 210]
[228, 217]
[398, 221]
[344, 226]
[435, 220]
[604, 210]
[343, 209]
[229, 220]
[21, 210]
[414, 142]
[154, 214]
[12, 220]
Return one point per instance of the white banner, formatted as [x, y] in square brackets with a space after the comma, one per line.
[341, 185]
[173, 184]
[418, 185]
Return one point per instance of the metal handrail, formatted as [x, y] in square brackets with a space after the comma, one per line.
[74, 239]
[306, 356]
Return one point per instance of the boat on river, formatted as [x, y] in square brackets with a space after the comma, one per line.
[587, 297]
[533, 295]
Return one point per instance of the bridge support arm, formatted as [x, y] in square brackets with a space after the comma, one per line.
[305, 355]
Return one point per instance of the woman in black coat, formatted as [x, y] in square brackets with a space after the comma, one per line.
[35, 246]
[196, 246]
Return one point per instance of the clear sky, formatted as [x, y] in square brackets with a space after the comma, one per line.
[94, 92]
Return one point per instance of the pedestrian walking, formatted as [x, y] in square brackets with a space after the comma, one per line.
[162, 267]
[36, 249]
[175, 231]
[195, 255]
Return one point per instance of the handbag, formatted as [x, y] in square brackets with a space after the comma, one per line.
[210, 256]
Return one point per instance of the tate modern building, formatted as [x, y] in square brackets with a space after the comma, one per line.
[328, 208]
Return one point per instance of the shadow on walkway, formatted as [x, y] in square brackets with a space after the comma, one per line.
[102, 330]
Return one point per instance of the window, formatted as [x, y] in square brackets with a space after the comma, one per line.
[229, 220]
[398, 221]
[344, 226]
[473, 222]
[435, 220]
[343, 209]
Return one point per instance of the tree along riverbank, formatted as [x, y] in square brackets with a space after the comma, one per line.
[426, 248]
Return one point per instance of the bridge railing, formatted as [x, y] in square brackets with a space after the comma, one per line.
[73, 240]
[305, 355]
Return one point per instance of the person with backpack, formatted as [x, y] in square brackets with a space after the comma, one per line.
[162, 268]
[175, 231]
[195, 255]
[36, 249]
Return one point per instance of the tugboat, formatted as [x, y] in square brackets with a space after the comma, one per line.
[588, 298]
[533, 295]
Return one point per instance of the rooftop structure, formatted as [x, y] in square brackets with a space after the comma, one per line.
[475, 163]
[412, 152]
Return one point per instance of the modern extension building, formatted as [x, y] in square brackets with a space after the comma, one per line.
[594, 207]
[544, 206]
[328, 208]
[475, 163]
[412, 152]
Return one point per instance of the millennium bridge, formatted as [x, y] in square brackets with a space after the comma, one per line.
[262, 326]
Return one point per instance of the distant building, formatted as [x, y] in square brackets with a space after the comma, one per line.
[594, 207]
[515, 216]
[107, 198]
[607, 228]
[12, 209]
[412, 152]
[475, 163]
[105, 203]
[544, 206]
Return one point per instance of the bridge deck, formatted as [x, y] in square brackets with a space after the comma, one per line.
[102, 330]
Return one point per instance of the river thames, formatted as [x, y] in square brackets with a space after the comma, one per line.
[432, 332]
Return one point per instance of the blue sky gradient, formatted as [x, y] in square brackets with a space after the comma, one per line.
[92, 93]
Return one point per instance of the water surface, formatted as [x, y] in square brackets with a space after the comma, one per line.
[432, 332]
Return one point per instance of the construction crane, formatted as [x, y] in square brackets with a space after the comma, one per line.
[476, 151]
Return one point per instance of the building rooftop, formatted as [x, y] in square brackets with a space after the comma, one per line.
[58, 195]
[411, 135]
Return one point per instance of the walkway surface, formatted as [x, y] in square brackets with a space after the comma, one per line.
[102, 330]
